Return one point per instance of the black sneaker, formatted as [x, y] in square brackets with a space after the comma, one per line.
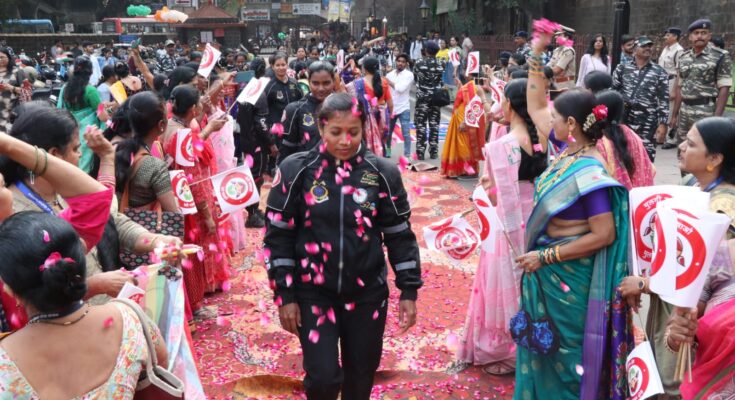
[419, 156]
[255, 221]
[434, 156]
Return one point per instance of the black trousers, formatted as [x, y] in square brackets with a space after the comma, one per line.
[360, 339]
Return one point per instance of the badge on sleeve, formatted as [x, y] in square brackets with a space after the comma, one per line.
[319, 191]
[279, 95]
[308, 120]
[359, 195]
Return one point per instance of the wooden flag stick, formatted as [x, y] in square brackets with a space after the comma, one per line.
[502, 228]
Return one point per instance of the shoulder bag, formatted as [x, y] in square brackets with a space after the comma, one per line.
[540, 336]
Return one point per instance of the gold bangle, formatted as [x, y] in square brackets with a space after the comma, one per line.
[35, 165]
[557, 253]
[666, 342]
[45, 163]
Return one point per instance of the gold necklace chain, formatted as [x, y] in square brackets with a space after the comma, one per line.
[572, 158]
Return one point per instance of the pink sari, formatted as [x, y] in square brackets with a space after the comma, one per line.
[495, 291]
[644, 171]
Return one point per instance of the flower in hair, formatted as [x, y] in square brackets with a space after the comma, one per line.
[600, 112]
[52, 259]
[543, 25]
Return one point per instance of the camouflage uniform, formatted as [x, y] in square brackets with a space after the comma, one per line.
[646, 94]
[700, 78]
[563, 57]
[428, 77]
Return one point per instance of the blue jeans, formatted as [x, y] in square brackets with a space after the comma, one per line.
[405, 118]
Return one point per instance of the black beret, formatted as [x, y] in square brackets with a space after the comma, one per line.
[522, 34]
[703, 23]
[676, 31]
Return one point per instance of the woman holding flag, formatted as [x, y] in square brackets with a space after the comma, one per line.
[708, 155]
[212, 269]
[494, 298]
[462, 150]
[576, 253]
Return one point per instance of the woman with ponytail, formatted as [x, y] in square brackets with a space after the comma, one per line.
[625, 156]
[374, 93]
[462, 150]
[509, 185]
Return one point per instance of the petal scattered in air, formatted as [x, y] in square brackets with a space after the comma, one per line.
[331, 316]
[470, 170]
[313, 336]
[312, 248]
[316, 310]
[403, 163]
[564, 287]
[108, 323]
[187, 263]
[46, 237]
[376, 314]
[249, 160]
[289, 280]
[580, 370]
[360, 282]
[320, 321]
[349, 306]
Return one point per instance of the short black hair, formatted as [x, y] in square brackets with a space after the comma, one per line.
[404, 56]
[626, 38]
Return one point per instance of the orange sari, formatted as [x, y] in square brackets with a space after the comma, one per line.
[462, 151]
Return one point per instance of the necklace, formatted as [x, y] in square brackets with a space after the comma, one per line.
[542, 186]
[47, 318]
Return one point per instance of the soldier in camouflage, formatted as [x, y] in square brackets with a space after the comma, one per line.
[428, 73]
[703, 82]
[644, 86]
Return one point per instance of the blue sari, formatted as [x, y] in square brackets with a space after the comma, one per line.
[581, 297]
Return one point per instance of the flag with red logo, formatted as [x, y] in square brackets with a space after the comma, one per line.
[453, 236]
[497, 88]
[642, 208]
[185, 148]
[490, 223]
[473, 63]
[684, 251]
[210, 56]
[642, 373]
[182, 192]
[454, 57]
[235, 189]
[473, 112]
[252, 91]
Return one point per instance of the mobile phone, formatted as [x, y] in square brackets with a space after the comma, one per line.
[244, 76]
[135, 44]
[480, 81]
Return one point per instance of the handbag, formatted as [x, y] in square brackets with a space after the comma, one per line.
[540, 336]
[154, 220]
[158, 383]
[440, 98]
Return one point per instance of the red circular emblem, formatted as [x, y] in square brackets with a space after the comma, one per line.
[207, 58]
[644, 219]
[638, 378]
[472, 63]
[187, 149]
[690, 254]
[450, 237]
[254, 89]
[236, 188]
[182, 191]
[484, 223]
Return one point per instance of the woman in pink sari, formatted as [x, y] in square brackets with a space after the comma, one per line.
[512, 164]
[625, 157]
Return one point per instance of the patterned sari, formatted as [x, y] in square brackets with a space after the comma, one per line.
[462, 149]
[592, 319]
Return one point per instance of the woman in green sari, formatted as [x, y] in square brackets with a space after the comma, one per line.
[83, 100]
[576, 256]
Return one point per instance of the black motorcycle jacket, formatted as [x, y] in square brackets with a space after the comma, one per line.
[300, 130]
[328, 222]
[278, 95]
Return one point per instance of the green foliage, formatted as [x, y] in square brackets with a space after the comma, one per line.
[461, 23]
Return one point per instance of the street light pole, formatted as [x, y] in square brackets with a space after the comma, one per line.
[424, 10]
[617, 32]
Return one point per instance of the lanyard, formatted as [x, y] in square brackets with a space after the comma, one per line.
[713, 185]
[34, 197]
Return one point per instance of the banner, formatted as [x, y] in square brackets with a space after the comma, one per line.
[252, 91]
[453, 236]
[210, 56]
[688, 254]
[643, 202]
[490, 223]
[473, 63]
[184, 148]
[307, 9]
[455, 57]
[235, 189]
[182, 192]
[473, 112]
[643, 378]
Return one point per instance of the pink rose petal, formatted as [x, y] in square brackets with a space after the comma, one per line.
[313, 336]
[289, 280]
[316, 310]
[331, 316]
[564, 287]
[312, 248]
[360, 282]
[580, 370]
[349, 306]
[108, 322]
[46, 237]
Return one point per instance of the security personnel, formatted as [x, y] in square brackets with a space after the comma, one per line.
[520, 39]
[279, 92]
[563, 62]
[300, 130]
[669, 60]
[703, 82]
[330, 211]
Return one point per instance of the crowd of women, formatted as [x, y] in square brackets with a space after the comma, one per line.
[80, 182]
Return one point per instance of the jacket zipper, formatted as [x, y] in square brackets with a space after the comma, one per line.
[341, 239]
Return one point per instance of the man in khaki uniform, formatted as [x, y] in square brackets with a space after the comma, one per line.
[563, 62]
[703, 82]
[669, 59]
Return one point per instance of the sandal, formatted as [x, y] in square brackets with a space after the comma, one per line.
[500, 368]
[203, 313]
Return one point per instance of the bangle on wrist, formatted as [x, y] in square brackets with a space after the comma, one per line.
[666, 342]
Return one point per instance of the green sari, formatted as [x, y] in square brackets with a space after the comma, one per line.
[581, 296]
[86, 116]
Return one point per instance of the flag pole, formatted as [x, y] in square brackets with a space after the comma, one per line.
[502, 228]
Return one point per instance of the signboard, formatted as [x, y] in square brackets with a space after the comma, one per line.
[275, 6]
[206, 37]
[262, 14]
[307, 9]
[445, 6]
[68, 28]
[286, 8]
[338, 11]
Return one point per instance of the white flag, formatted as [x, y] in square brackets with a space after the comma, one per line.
[690, 254]
[235, 189]
[340, 60]
[210, 56]
[473, 63]
[490, 223]
[497, 89]
[454, 57]
[132, 292]
[642, 208]
[643, 378]
[182, 192]
[252, 91]
[185, 148]
[473, 112]
[453, 236]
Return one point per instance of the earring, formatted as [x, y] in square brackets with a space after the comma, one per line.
[710, 168]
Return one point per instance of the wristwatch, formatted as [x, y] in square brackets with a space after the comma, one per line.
[641, 284]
